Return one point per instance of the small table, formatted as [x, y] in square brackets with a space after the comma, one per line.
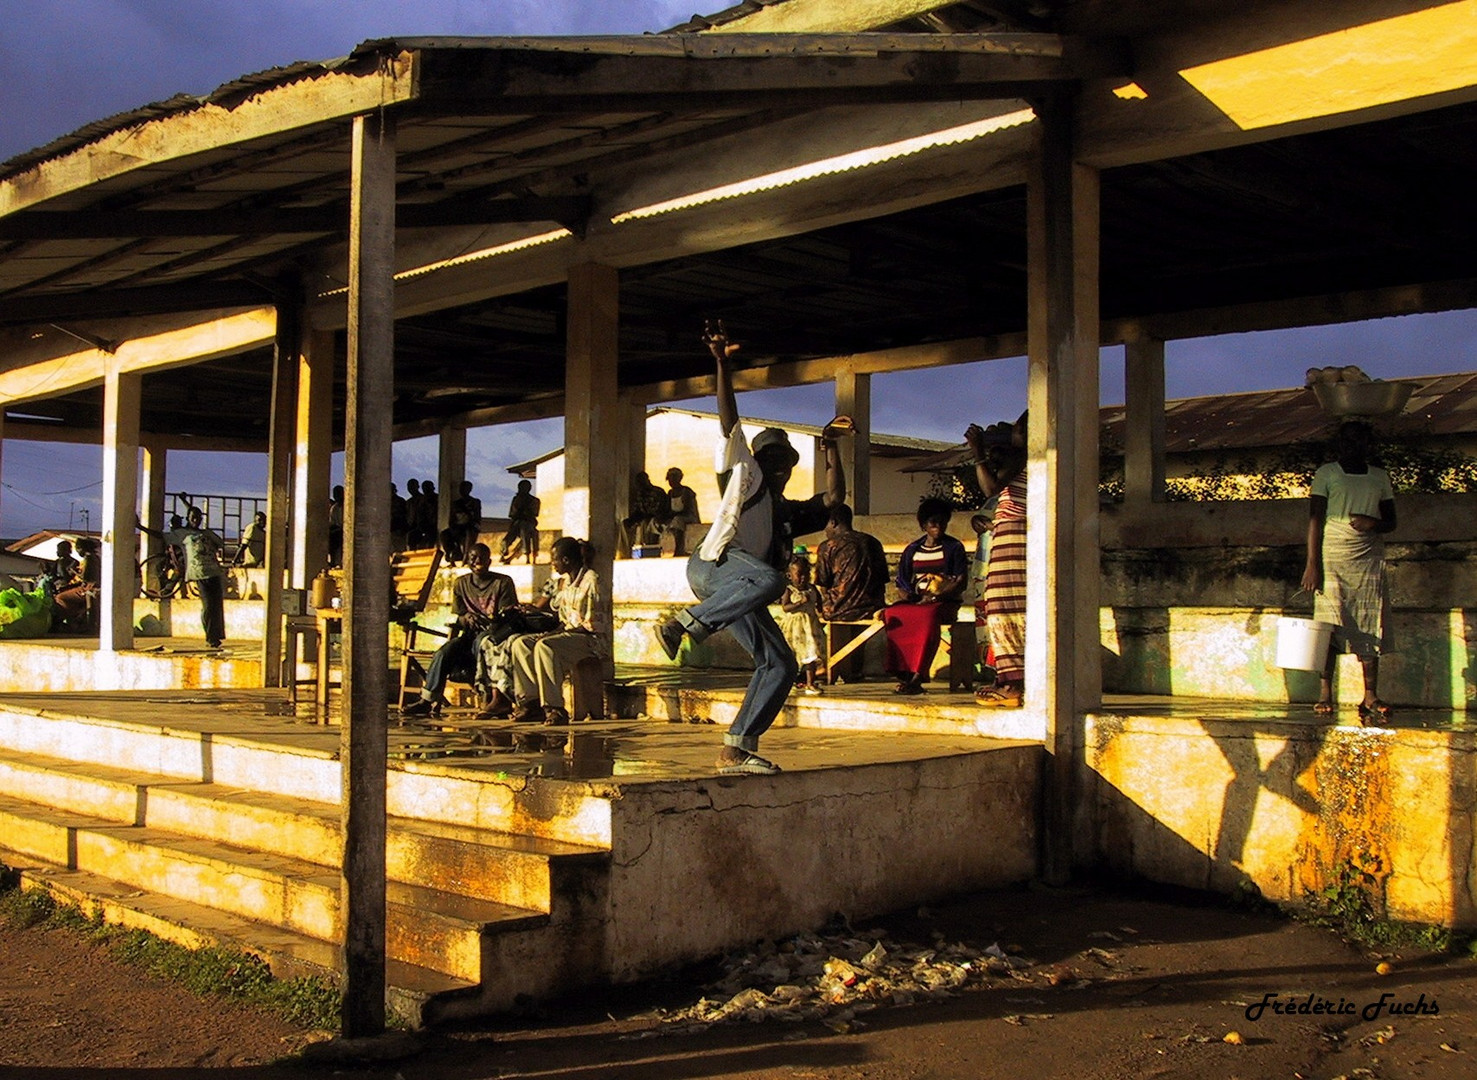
[330, 621]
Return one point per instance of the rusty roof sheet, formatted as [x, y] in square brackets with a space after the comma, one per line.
[1440, 406]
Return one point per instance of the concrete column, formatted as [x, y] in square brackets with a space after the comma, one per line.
[1063, 677]
[451, 470]
[151, 487]
[364, 742]
[122, 399]
[1143, 423]
[280, 443]
[590, 416]
[312, 457]
[854, 399]
[630, 453]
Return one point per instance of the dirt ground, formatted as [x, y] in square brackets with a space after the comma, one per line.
[1113, 986]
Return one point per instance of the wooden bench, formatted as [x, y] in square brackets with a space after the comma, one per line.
[957, 645]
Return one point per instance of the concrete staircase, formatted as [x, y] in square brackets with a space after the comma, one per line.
[208, 839]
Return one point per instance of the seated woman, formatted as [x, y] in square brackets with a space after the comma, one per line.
[75, 598]
[540, 661]
[930, 580]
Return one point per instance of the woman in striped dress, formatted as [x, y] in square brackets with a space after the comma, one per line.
[930, 579]
[1000, 467]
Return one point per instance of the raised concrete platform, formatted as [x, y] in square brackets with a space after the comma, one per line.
[521, 861]
[59, 664]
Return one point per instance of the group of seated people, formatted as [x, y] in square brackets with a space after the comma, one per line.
[517, 655]
[656, 512]
[850, 579]
[73, 586]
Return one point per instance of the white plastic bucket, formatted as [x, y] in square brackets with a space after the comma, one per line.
[1302, 644]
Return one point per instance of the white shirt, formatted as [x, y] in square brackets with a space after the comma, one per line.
[750, 530]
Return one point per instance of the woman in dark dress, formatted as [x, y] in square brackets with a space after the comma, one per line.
[930, 580]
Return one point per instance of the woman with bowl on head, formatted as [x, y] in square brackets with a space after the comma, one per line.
[1351, 507]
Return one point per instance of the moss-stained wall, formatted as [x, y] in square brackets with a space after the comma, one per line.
[1228, 803]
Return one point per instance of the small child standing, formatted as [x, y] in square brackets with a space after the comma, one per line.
[800, 622]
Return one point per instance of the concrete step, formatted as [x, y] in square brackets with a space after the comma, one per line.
[425, 926]
[524, 872]
[275, 758]
[411, 990]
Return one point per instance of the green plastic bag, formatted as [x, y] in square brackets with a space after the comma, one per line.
[24, 615]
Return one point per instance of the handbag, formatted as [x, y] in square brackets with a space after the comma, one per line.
[510, 622]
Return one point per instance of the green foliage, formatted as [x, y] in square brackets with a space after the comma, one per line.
[1352, 905]
[309, 1002]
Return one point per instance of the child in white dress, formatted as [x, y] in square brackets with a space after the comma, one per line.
[800, 621]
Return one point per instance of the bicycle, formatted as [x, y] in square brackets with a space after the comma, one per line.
[162, 576]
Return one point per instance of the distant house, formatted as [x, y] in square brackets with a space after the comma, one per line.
[686, 438]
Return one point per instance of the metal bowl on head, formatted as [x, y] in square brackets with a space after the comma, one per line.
[1363, 399]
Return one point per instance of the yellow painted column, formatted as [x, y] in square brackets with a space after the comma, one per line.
[592, 415]
[122, 401]
[1063, 676]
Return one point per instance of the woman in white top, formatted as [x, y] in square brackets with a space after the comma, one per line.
[1352, 507]
[540, 661]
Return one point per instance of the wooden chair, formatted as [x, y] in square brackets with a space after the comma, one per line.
[414, 574]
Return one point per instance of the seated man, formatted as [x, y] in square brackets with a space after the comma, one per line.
[649, 512]
[252, 550]
[460, 534]
[522, 535]
[475, 598]
[851, 574]
[681, 509]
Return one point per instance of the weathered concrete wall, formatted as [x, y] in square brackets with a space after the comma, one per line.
[1192, 593]
[763, 857]
[1223, 804]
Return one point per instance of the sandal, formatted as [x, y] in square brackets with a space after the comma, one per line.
[908, 688]
[1379, 711]
[554, 716]
[995, 697]
[421, 707]
[528, 714]
[750, 764]
[1322, 708]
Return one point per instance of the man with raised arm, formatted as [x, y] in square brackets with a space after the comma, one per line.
[738, 571]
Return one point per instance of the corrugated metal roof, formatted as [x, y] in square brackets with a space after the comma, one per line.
[1440, 406]
[224, 95]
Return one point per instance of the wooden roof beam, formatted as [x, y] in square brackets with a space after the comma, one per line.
[749, 71]
[124, 303]
[570, 212]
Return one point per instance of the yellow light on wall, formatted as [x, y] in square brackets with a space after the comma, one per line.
[1408, 56]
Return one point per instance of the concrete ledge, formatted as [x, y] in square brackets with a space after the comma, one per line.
[1220, 804]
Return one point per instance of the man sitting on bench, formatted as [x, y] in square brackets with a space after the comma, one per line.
[851, 573]
[475, 598]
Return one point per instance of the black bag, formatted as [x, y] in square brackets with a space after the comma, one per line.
[511, 622]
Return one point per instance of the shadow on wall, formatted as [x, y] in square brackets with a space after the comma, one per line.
[1289, 810]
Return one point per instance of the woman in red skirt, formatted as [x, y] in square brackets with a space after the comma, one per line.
[930, 579]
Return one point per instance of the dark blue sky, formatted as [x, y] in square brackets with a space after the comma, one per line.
[70, 64]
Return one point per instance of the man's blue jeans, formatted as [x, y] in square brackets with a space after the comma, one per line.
[735, 595]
